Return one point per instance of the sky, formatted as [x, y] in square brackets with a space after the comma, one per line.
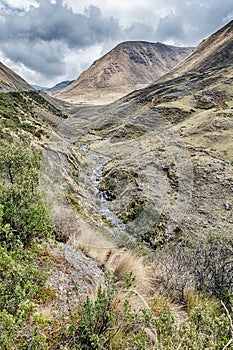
[48, 41]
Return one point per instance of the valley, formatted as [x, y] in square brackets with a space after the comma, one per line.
[155, 168]
[129, 66]
[116, 218]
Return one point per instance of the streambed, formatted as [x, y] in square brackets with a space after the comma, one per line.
[99, 160]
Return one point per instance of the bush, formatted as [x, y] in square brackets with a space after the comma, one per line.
[21, 288]
[205, 326]
[205, 265]
[108, 323]
[23, 209]
[26, 215]
[17, 281]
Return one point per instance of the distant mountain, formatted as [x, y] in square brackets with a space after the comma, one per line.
[38, 87]
[10, 81]
[60, 86]
[55, 88]
[130, 65]
[213, 52]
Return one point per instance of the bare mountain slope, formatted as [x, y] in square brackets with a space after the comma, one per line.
[213, 52]
[10, 81]
[129, 66]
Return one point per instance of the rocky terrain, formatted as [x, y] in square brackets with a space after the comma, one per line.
[169, 145]
[129, 66]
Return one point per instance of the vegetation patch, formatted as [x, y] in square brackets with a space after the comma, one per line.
[22, 206]
[173, 115]
[116, 180]
[74, 202]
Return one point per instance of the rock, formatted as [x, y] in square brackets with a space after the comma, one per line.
[73, 267]
[227, 206]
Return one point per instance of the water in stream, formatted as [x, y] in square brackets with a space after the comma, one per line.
[99, 161]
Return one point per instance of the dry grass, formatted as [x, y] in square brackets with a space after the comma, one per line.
[119, 261]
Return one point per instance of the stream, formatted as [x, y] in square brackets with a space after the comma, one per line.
[99, 161]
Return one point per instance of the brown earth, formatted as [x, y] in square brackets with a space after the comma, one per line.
[129, 66]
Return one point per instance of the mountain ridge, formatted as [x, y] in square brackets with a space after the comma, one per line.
[128, 66]
[214, 51]
[11, 81]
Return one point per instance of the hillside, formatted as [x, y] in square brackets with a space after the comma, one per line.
[129, 66]
[215, 51]
[10, 81]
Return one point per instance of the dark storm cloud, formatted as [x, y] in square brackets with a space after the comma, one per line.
[140, 31]
[39, 37]
[58, 22]
[171, 28]
[38, 57]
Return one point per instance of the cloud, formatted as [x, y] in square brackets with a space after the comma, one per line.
[51, 40]
[16, 5]
[54, 21]
[191, 21]
[41, 37]
[40, 57]
[140, 31]
[171, 28]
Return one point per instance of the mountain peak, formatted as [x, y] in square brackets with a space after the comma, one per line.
[129, 66]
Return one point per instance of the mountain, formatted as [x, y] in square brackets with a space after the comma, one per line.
[10, 81]
[143, 186]
[54, 88]
[129, 66]
[215, 51]
[39, 87]
[60, 86]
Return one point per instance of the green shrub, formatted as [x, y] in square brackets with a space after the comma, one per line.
[26, 214]
[204, 325]
[17, 281]
[21, 289]
[23, 208]
[108, 323]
